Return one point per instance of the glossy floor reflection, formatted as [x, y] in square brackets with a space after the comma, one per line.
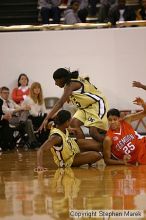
[25, 195]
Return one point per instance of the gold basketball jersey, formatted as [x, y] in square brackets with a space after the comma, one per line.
[64, 154]
[87, 95]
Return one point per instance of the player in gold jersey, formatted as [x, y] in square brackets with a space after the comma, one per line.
[90, 103]
[65, 150]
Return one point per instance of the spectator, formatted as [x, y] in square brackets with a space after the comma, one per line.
[81, 9]
[37, 111]
[20, 93]
[93, 7]
[104, 10]
[19, 116]
[122, 145]
[71, 13]
[35, 100]
[141, 11]
[120, 12]
[49, 9]
[6, 133]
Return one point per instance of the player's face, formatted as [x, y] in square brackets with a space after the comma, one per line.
[67, 123]
[60, 82]
[114, 122]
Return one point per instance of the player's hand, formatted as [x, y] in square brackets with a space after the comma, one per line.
[40, 169]
[126, 158]
[139, 101]
[7, 116]
[43, 125]
[137, 84]
[26, 108]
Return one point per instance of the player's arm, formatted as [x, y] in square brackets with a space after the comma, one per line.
[59, 104]
[138, 85]
[64, 98]
[139, 115]
[77, 132]
[107, 143]
[54, 140]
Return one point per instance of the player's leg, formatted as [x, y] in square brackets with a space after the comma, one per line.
[97, 133]
[86, 158]
[89, 145]
[97, 125]
[77, 121]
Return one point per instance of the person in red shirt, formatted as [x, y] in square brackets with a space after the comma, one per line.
[20, 93]
[121, 144]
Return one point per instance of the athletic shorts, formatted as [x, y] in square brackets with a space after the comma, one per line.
[90, 117]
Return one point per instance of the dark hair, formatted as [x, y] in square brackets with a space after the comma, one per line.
[4, 88]
[22, 74]
[64, 73]
[74, 1]
[61, 117]
[113, 112]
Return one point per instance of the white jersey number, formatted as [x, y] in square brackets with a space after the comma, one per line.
[128, 148]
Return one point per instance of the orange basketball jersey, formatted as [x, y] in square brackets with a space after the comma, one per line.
[125, 141]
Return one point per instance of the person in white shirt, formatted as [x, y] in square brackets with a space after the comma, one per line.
[19, 116]
[37, 112]
[37, 105]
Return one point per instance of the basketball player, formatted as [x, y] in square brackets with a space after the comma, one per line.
[90, 103]
[65, 150]
[122, 145]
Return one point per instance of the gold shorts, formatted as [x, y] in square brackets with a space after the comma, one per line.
[90, 117]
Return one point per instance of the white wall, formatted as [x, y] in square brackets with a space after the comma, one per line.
[113, 58]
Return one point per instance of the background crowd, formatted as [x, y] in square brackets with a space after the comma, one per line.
[77, 11]
[23, 110]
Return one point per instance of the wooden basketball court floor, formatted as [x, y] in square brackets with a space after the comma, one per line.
[26, 195]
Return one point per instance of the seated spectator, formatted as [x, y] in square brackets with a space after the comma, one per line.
[104, 10]
[49, 9]
[122, 145]
[37, 112]
[6, 133]
[35, 100]
[19, 116]
[71, 13]
[141, 11]
[82, 10]
[120, 12]
[19, 93]
[92, 8]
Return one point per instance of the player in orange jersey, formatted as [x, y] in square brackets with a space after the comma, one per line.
[121, 144]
